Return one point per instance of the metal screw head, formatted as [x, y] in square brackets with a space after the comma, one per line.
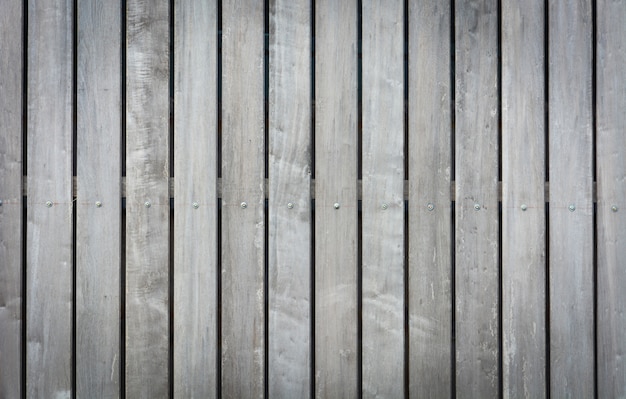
[477, 207]
[384, 206]
[524, 207]
[430, 207]
[614, 208]
[572, 208]
[49, 204]
[336, 205]
[98, 204]
[195, 205]
[147, 204]
[290, 205]
[244, 205]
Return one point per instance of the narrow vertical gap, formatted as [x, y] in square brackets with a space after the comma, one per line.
[360, 202]
[312, 248]
[500, 266]
[74, 173]
[594, 22]
[406, 202]
[266, 79]
[546, 94]
[24, 336]
[171, 201]
[218, 269]
[453, 202]
[122, 304]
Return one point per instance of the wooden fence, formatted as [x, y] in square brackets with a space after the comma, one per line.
[296, 198]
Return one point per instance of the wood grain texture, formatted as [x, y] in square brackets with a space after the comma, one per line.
[195, 226]
[383, 183]
[523, 177]
[430, 246]
[477, 269]
[147, 228]
[243, 229]
[195, 292]
[611, 177]
[290, 182]
[49, 229]
[571, 178]
[98, 243]
[336, 177]
[11, 74]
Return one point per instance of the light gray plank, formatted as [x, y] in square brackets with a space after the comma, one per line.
[430, 246]
[195, 203]
[290, 273]
[49, 228]
[523, 202]
[611, 169]
[147, 174]
[476, 130]
[571, 177]
[243, 229]
[383, 199]
[11, 72]
[98, 244]
[336, 177]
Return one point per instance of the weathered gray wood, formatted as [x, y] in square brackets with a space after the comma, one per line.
[195, 204]
[523, 202]
[49, 228]
[147, 174]
[98, 228]
[571, 178]
[289, 357]
[243, 226]
[11, 72]
[430, 246]
[611, 169]
[476, 130]
[383, 199]
[336, 175]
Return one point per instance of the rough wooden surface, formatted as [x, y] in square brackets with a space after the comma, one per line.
[523, 202]
[611, 169]
[383, 199]
[289, 279]
[243, 229]
[195, 205]
[430, 247]
[336, 174]
[11, 72]
[571, 176]
[49, 228]
[98, 242]
[147, 228]
[476, 130]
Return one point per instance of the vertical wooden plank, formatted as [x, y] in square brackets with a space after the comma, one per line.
[571, 202]
[476, 273]
[11, 73]
[383, 199]
[289, 200]
[147, 199]
[611, 169]
[49, 225]
[523, 202]
[195, 202]
[98, 204]
[430, 265]
[336, 199]
[243, 200]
